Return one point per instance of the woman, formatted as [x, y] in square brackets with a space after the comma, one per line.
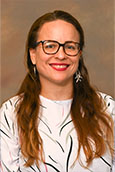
[57, 121]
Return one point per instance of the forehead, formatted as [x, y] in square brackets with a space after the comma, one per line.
[57, 28]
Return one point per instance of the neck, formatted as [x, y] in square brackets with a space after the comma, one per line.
[57, 91]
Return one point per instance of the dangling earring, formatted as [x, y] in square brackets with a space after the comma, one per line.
[35, 71]
[78, 77]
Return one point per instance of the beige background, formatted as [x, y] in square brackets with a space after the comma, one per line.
[97, 19]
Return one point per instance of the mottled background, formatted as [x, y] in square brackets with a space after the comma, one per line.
[97, 19]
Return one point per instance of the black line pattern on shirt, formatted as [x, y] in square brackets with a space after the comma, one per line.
[17, 102]
[65, 120]
[112, 98]
[6, 120]
[13, 128]
[46, 125]
[109, 97]
[19, 170]
[108, 104]
[52, 167]
[5, 133]
[105, 161]
[64, 127]
[43, 106]
[32, 167]
[60, 146]
[6, 167]
[10, 102]
[70, 150]
[52, 159]
[6, 106]
[38, 168]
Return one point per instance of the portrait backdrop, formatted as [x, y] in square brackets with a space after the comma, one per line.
[97, 20]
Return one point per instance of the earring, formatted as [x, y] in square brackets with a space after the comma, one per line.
[35, 70]
[78, 77]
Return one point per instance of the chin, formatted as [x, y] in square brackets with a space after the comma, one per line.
[62, 82]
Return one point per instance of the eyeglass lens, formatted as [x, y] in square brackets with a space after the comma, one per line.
[52, 47]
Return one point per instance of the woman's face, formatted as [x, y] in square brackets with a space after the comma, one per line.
[58, 68]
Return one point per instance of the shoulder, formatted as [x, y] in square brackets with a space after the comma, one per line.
[8, 108]
[109, 103]
[8, 120]
[11, 103]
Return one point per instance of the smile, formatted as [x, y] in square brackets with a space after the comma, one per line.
[59, 67]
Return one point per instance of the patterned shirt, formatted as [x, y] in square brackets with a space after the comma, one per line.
[59, 137]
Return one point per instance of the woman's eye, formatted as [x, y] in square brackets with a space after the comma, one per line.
[50, 46]
[70, 47]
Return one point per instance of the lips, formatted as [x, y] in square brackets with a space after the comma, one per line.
[59, 66]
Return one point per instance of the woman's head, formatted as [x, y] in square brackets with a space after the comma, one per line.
[37, 25]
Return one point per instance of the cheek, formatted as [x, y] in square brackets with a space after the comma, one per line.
[41, 61]
[39, 58]
[76, 62]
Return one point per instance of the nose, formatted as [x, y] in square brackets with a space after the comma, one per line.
[61, 54]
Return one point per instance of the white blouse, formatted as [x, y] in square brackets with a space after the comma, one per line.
[59, 137]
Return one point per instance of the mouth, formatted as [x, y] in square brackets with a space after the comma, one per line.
[59, 66]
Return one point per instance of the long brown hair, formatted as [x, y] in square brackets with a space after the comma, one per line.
[93, 126]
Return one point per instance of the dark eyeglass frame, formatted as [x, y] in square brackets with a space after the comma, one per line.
[60, 45]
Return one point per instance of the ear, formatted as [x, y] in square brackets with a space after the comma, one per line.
[80, 52]
[33, 55]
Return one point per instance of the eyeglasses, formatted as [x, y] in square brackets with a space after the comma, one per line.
[50, 47]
